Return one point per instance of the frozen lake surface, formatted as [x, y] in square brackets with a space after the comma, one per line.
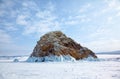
[108, 67]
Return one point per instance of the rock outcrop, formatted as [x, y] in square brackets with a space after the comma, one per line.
[57, 46]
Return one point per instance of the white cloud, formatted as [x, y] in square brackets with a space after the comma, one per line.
[21, 20]
[50, 6]
[41, 22]
[5, 38]
[8, 26]
[72, 22]
[11, 28]
[103, 31]
[32, 18]
[110, 20]
[2, 13]
[85, 7]
[103, 45]
[8, 47]
[45, 15]
[118, 14]
[29, 5]
[111, 7]
[113, 4]
[76, 19]
[6, 10]
[41, 27]
[80, 16]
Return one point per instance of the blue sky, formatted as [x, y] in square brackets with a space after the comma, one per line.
[92, 23]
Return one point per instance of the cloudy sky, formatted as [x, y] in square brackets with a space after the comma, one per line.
[92, 23]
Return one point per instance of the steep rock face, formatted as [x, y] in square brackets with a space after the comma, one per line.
[58, 44]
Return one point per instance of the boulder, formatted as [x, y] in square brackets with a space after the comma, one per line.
[57, 46]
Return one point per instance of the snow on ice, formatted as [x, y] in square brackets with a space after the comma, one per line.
[108, 67]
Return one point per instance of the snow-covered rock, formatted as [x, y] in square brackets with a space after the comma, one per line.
[56, 46]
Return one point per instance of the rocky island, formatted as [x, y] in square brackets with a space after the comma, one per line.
[56, 46]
